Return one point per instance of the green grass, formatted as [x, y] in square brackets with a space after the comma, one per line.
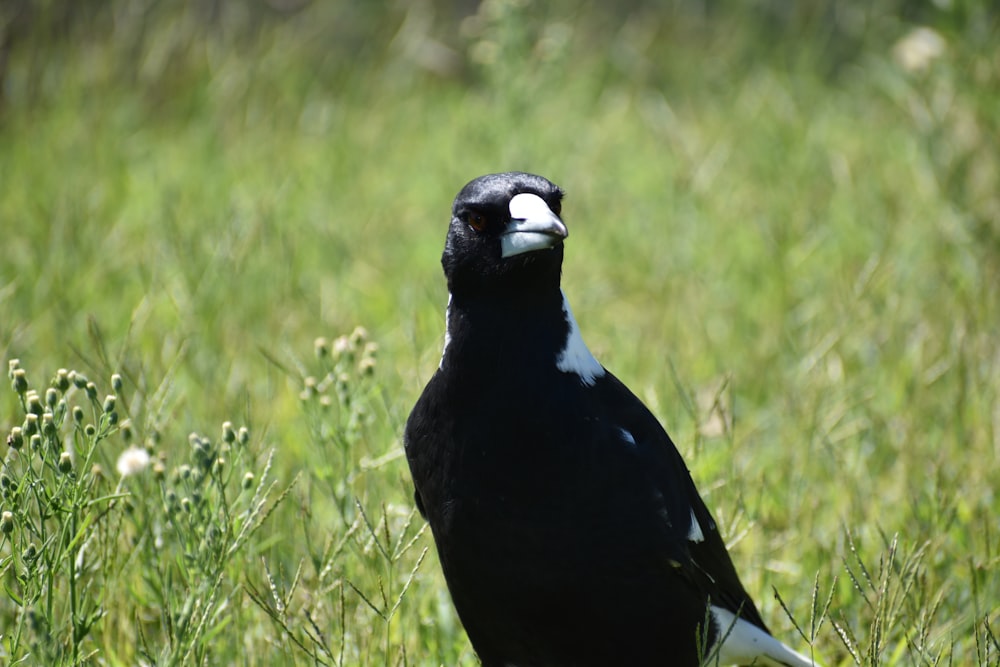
[784, 241]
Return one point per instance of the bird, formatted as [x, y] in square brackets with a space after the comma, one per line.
[567, 525]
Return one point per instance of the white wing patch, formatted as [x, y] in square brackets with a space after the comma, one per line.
[694, 532]
[575, 357]
[743, 643]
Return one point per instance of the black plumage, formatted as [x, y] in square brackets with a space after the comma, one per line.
[568, 527]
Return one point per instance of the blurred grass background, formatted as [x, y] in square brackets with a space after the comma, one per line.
[785, 236]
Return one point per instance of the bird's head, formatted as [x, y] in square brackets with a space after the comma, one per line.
[505, 233]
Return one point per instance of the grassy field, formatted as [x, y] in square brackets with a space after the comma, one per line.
[224, 229]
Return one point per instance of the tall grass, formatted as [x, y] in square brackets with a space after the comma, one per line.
[219, 270]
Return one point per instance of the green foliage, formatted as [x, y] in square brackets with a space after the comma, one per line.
[785, 235]
[74, 543]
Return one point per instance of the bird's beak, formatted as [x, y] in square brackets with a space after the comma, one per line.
[533, 226]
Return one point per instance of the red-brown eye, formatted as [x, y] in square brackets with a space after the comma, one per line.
[477, 221]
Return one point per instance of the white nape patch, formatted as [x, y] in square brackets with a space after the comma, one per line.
[575, 357]
[694, 532]
[627, 437]
[743, 643]
[447, 331]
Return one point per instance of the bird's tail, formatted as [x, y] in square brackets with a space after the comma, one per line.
[743, 643]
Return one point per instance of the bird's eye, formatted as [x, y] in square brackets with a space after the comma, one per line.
[477, 221]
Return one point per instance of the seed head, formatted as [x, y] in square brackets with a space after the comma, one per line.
[228, 434]
[65, 463]
[310, 388]
[35, 442]
[367, 366]
[91, 390]
[30, 424]
[203, 453]
[30, 553]
[109, 403]
[112, 418]
[12, 365]
[116, 383]
[247, 480]
[322, 347]
[159, 470]
[48, 425]
[127, 432]
[342, 349]
[16, 439]
[77, 414]
[90, 430]
[51, 397]
[7, 522]
[243, 435]
[35, 406]
[61, 381]
[19, 380]
[359, 336]
[79, 380]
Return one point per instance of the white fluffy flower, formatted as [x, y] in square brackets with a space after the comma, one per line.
[132, 461]
[918, 49]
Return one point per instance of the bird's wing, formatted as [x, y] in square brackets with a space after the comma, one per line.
[688, 525]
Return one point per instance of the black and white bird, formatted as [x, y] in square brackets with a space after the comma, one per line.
[568, 527]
